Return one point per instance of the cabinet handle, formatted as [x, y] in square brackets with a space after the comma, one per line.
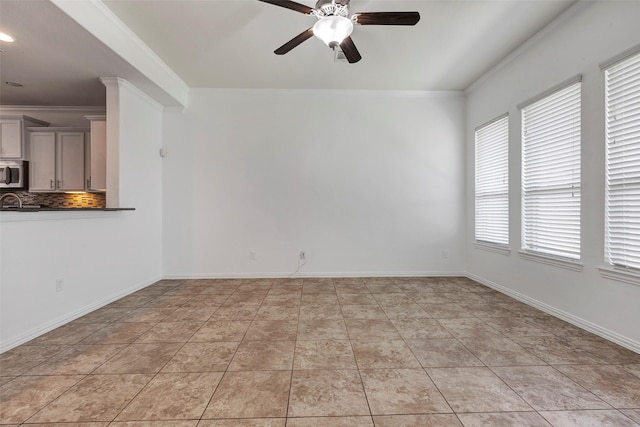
[59, 183]
[51, 184]
[88, 183]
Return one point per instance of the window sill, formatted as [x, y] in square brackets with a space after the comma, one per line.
[500, 249]
[620, 275]
[550, 260]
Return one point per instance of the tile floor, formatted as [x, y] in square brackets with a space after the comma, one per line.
[319, 352]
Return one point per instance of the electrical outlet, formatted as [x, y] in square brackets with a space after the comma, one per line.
[444, 254]
[252, 255]
[59, 285]
[302, 256]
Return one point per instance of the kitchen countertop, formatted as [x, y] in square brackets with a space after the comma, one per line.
[43, 209]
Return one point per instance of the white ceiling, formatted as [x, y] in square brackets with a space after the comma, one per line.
[230, 43]
[57, 61]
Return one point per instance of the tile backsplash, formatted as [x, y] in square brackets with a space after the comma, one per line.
[61, 200]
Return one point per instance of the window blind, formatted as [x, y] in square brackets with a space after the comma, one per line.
[551, 174]
[622, 239]
[492, 182]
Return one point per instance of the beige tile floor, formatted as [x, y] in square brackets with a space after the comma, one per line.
[319, 352]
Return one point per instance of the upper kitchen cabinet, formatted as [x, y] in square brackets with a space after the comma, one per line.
[57, 160]
[42, 168]
[71, 161]
[96, 154]
[13, 136]
[11, 139]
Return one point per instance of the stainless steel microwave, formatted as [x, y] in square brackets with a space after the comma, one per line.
[13, 174]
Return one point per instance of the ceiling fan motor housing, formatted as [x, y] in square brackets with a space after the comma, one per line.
[332, 8]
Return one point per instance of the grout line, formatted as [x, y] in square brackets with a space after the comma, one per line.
[293, 361]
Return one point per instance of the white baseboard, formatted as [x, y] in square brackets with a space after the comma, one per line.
[563, 315]
[271, 275]
[49, 326]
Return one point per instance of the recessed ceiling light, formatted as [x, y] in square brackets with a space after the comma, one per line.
[6, 38]
[14, 84]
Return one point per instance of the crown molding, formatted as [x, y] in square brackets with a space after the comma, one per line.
[121, 83]
[54, 108]
[346, 92]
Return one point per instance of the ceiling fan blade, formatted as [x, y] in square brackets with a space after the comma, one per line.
[387, 18]
[303, 36]
[290, 5]
[350, 50]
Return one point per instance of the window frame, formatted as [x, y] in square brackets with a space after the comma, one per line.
[537, 234]
[619, 267]
[493, 138]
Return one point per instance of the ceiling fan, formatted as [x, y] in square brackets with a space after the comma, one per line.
[335, 25]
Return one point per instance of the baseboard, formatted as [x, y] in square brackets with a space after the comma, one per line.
[563, 315]
[568, 317]
[183, 276]
[49, 326]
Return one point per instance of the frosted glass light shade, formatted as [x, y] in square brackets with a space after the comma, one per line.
[333, 29]
[4, 37]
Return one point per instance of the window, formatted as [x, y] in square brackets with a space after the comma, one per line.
[551, 174]
[622, 240]
[492, 182]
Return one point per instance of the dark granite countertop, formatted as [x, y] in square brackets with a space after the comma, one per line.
[43, 209]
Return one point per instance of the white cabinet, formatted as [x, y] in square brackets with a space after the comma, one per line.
[57, 160]
[96, 154]
[11, 139]
[42, 167]
[70, 161]
[12, 136]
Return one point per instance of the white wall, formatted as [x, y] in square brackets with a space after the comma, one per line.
[100, 256]
[593, 33]
[367, 183]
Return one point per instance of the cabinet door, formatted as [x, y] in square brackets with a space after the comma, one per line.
[70, 161]
[42, 167]
[97, 178]
[10, 139]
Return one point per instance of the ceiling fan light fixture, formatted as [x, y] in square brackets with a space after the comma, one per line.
[333, 29]
[4, 37]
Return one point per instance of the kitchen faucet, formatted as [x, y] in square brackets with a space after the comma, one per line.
[14, 195]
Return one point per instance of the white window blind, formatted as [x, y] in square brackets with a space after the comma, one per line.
[492, 182]
[551, 174]
[623, 163]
